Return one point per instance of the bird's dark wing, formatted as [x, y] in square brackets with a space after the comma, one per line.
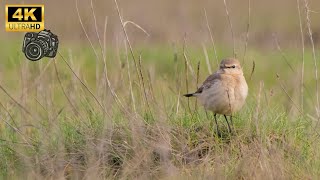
[208, 82]
[211, 80]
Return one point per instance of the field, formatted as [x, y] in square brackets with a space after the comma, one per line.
[110, 105]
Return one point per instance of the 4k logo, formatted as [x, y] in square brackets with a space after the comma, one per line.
[28, 18]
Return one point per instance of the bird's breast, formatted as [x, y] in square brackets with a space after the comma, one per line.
[241, 93]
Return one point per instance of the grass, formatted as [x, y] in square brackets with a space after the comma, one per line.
[62, 131]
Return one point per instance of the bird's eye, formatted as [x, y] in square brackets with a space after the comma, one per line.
[233, 66]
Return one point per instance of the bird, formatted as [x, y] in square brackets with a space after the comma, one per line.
[224, 92]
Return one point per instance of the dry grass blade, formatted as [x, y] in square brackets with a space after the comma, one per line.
[197, 82]
[63, 90]
[136, 25]
[25, 92]
[291, 68]
[127, 40]
[37, 80]
[130, 47]
[143, 85]
[95, 27]
[187, 83]
[302, 58]
[282, 53]
[15, 101]
[16, 128]
[150, 86]
[257, 110]
[211, 37]
[130, 81]
[231, 27]
[253, 68]
[9, 114]
[188, 65]
[84, 85]
[84, 30]
[207, 58]
[114, 95]
[178, 101]
[87, 36]
[24, 109]
[247, 33]
[307, 9]
[286, 92]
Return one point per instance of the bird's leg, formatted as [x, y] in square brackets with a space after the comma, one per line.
[215, 119]
[228, 124]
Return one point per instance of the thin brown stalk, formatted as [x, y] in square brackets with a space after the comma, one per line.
[91, 44]
[186, 75]
[164, 102]
[177, 77]
[25, 110]
[114, 95]
[282, 53]
[186, 58]
[308, 19]
[231, 28]
[136, 25]
[211, 37]
[302, 58]
[207, 58]
[253, 68]
[130, 81]
[9, 114]
[127, 40]
[123, 24]
[291, 68]
[16, 128]
[37, 80]
[105, 84]
[178, 101]
[96, 28]
[187, 85]
[143, 85]
[84, 30]
[63, 90]
[23, 76]
[247, 33]
[257, 113]
[151, 88]
[198, 74]
[15, 101]
[286, 92]
[25, 92]
[84, 85]
[14, 142]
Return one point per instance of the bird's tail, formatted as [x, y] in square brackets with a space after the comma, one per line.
[189, 95]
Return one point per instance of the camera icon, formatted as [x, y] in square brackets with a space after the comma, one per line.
[39, 45]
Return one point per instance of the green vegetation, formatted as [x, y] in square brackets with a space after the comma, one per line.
[150, 130]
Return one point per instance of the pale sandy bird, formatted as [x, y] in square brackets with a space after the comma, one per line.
[225, 91]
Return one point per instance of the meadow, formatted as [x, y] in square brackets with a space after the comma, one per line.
[110, 105]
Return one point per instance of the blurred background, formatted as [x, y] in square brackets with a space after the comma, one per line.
[168, 21]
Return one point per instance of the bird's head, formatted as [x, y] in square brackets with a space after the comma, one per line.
[230, 66]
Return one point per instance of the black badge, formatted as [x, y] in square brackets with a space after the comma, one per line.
[39, 45]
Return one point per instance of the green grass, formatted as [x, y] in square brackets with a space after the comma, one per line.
[159, 137]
